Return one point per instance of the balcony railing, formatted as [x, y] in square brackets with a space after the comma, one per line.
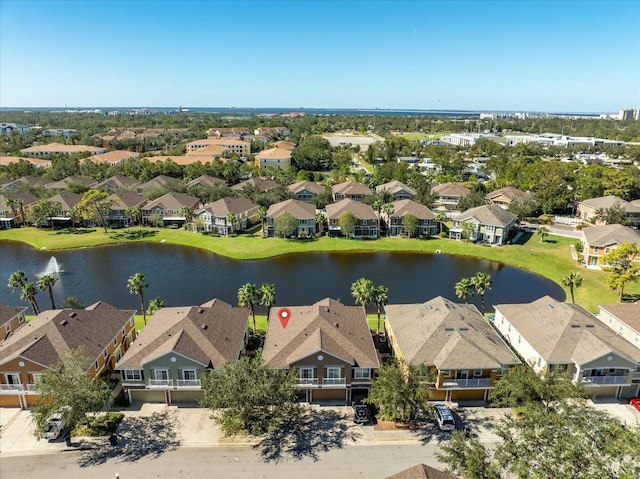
[334, 381]
[605, 380]
[467, 383]
[188, 383]
[161, 382]
[306, 381]
[10, 388]
[31, 388]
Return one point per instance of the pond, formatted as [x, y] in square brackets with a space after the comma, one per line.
[181, 275]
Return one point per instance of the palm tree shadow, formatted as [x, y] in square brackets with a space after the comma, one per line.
[138, 437]
[306, 433]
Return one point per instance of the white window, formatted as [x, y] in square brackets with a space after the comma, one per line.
[36, 377]
[334, 372]
[637, 338]
[161, 374]
[7, 327]
[610, 320]
[445, 373]
[21, 319]
[621, 328]
[189, 374]
[306, 373]
[132, 375]
[477, 373]
[12, 378]
[361, 373]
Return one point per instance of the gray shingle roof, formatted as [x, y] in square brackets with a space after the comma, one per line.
[306, 185]
[395, 186]
[173, 201]
[509, 192]
[492, 215]
[422, 471]
[228, 204]
[628, 313]
[360, 210]
[350, 187]
[298, 209]
[610, 234]
[450, 189]
[447, 335]
[405, 207]
[605, 202]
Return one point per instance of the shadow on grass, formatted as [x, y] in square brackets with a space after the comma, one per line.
[74, 231]
[133, 234]
[138, 437]
[630, 298]
[524, 237]
[306, 433]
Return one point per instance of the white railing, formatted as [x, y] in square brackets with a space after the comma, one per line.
[605, 380]
[334, 381]
[467, 383]
[9, 388]
[161, 382]
[306, 381]
[31, 388]
[188, 383]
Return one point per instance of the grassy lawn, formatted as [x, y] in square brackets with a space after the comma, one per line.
[417, 136]
[551, 259]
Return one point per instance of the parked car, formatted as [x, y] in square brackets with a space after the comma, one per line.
[56, 424]
[361, 414]
[444, 417]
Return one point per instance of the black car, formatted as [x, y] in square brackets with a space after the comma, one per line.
[361, 414]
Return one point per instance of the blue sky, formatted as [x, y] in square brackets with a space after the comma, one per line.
[578, 56]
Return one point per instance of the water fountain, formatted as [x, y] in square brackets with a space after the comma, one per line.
[53, 267]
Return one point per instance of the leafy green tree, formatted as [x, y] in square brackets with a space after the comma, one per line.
[481, 284]
[623, 269]
[285, 225]
[464, 289]
[154, 305]
[347, 222]
[249, 397]
[616, 215]
[94, 206]
[66, 383]
[410, 224]
[473, 199]
[71, 302]
[362, 291]
[44, 210]
[46, 282]
[572, 281]
[468, 230]
[523, 207]
[136, 285]
[467, 459]
[29, 291]
[441, 219]
[399, 393]
[542, 232]
[247, 296]
[312, 154]
[380, 297]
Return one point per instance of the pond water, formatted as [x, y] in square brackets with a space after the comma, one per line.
[188, 276]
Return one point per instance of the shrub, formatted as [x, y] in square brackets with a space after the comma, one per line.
[102, 425]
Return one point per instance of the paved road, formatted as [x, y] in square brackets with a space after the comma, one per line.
[371, 462]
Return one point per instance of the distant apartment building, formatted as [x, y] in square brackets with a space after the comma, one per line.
[629, 114]
[9, 127]
[238, 147]
[59, 148]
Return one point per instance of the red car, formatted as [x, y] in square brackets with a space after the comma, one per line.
[635, 402]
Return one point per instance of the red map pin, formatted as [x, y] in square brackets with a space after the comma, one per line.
[284, 315]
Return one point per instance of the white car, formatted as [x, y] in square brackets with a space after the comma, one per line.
[56, 424]
[444, 417]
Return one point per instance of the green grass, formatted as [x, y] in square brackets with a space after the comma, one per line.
[551, 259]
[417, 136]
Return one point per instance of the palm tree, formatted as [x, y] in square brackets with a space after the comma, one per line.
[320, 219]
[481, 283]
[267, 295]
[136, 285]
[11, 203]
[262, 215]
[154, 305]
[247, 296]
[441, 218]
[572, 281]
[231, 219]
[185, 211]
[29, 292]
[46, 282]
[542, 232]
[464, 289]
[362, 292]
[380, 298]
[17, 280]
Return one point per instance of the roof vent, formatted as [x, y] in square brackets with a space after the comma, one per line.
[449, 329]
[204, 326]
[590, 325]
[336, 325]
[550, 306]
[64, 322]
[200, 310]
[326, 310]
[575, 325]
[464, 328]
[430, 308]
[72, 314]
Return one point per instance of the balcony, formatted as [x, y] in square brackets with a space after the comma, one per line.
[10, 388]
[188, 383]
[466, 383]
[307, 382]
[31, 388]
[337, 382]
[605, 380]
[166, 383]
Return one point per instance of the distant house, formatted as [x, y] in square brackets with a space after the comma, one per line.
[59, 148]
[351, 190]
[285, 145]
[115, 157]
[491, 224]
[35, 162]
[64, 183]
[306, 190]
[14, 208]
[330, 347]
[116, 183]
[465, 356]
[262, 184]
[178, 347]
[277, 158]
[367, 224]
[272, 131]
[447, 196]
[504, 196]
[206, 181]
[66, 214]
[11, 319]
[120, 211]
[597, 241]
[160, 182]
[624, 319]
[66, 132]
[304, 213]
[397, 190]
[104, 332]
[168, 208]
[593, 209]
[27, 181]
[422, 471]
[550, 333]
[215, 216]
[11, 127]
[426, 225]
[237, 133]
